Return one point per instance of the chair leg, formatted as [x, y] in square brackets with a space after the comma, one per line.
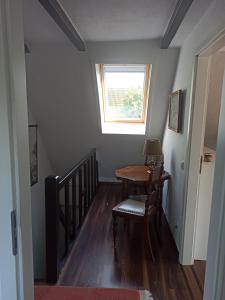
[146, 188]
[160, 213]
[114, 235]
[148, 240]
[159, 216]
[126, 226]
[157, 227]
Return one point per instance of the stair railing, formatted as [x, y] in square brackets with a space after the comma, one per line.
[67, 201]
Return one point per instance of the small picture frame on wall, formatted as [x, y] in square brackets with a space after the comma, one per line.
[175, 111]
[33, 149]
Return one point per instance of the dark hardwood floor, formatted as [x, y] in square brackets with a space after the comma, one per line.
[92, 263]
[199, 270]
[195, 276]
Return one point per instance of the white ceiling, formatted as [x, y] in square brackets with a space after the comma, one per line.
[120, 19]
[110, 20]
[194, 14]
[222, 49]
[38, 25]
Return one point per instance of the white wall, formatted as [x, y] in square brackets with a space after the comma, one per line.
[214, 99]
[63, 97]
[38, 206]
[175, 145]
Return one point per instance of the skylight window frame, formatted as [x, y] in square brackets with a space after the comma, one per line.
[146, 88]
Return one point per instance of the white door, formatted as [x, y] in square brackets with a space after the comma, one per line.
[204, 206]
[16, 274]
[206, 171]
[8, 287]
[216, 71]
[195, 150]
[215, 267]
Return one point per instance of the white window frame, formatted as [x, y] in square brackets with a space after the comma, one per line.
[124, 126]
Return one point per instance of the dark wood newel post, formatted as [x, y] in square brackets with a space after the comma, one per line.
[52, 227]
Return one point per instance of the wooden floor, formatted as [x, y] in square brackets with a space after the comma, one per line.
[92, 264]
[199, 270]
[195, 277]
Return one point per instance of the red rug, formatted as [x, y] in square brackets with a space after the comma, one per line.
[77, 293]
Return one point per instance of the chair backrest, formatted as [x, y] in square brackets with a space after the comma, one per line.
[153, 159]
[151, 202]
[156, 174]
[152, 151]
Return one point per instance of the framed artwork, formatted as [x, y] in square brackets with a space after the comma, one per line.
[33, 148]
[175, 111]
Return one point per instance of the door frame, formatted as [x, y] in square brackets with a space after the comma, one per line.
[194, 151]
[215, 263]
[15, 99]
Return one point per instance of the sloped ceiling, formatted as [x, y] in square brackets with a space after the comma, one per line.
[39, 27]
[111, 20]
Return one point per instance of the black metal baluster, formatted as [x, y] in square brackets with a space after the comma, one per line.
[67, 218]
[89, 181]
[85, 190]
[94, 171]
[97, 175]
[80, 198]
[92, 178]
[74, 210]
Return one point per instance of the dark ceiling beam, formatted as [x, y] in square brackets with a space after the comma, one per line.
[56, 11]
[178, 15]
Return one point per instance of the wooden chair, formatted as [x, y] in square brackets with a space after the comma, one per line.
[155, 176]
[155, 184]
[137, 211]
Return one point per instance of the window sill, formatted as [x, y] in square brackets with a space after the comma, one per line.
[123, 128]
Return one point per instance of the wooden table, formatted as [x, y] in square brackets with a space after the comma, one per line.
[133, 173]
[138, 174]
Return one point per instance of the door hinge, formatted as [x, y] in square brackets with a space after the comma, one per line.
[14, 232]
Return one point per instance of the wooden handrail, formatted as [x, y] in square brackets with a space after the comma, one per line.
[75, 169]
[79, 186]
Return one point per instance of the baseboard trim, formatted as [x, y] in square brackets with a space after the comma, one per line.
[109, 179]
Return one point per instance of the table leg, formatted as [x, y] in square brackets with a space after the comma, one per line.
[124, 189]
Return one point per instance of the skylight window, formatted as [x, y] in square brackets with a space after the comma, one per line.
[123, 94]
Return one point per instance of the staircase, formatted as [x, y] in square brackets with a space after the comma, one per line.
[67, 201]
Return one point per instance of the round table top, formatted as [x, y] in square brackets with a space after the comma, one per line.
[137, 173]
[133, 173]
